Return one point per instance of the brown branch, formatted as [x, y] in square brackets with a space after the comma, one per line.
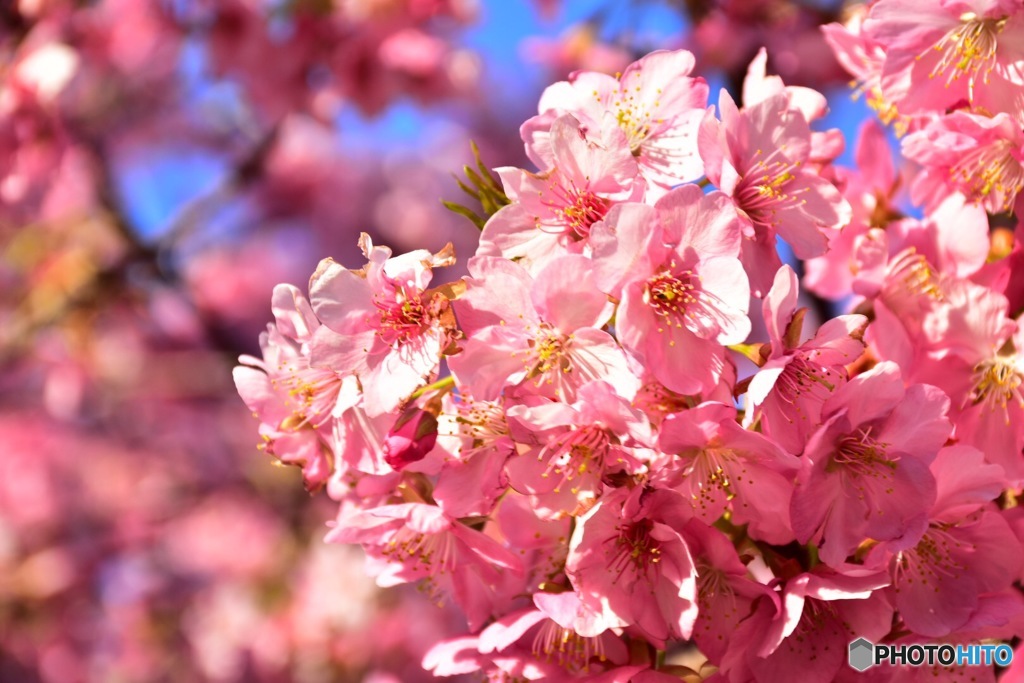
[155, 261]
[247, 171]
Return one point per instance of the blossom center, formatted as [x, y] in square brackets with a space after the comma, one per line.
[635, 548]
[574, 453]
[910, 273]
[930, 560]
[820, 627]
[766, 187]
[586, 210]
[565, 647]
[887, 112]
[548, 352]
[712, 583]
[312, 394]
[402, 317]
[990, 169]
[968, 49]
[708, 475]
[678, 300]
[577, 208]
[997, 382]
[434, 553]
[632, 122]
[632, 113]
[804, 378]
[670, 297]
[861, 455]
[482, 421]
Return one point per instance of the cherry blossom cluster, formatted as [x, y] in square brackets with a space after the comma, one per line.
[950, 73]
[620, 445]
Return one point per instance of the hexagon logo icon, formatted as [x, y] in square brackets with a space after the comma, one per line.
[862, 654]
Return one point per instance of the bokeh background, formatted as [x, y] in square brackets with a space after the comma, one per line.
[165, 163]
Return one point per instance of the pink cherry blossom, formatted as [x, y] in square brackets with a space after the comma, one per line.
[980, 156]
[587, 445]
[476, 435]
[552, 212]
[658, 402]
[294, 401]
[795, 381]
[379, 322]
[545, 634]
[756, 155]
[821, 613]
[567, 449]
[654, 102]
[413, 541]
[758, 86]
[629, 565]
[951, 240]
[683, 290]
[718, 465]
[871, 190]
[726, 592]
[455, 656]
[972, 351]
[967, 552]
[877, 438]
[541, 336]
[864, 58]
[541, 543]
[937, 55]
[357, 441]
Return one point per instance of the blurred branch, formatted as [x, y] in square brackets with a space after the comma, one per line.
[158, 260]
[139, 258]
[247, 171]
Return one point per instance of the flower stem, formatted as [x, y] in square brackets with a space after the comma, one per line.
[443, 383]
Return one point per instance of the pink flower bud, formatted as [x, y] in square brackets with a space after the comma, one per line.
[412, 437]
